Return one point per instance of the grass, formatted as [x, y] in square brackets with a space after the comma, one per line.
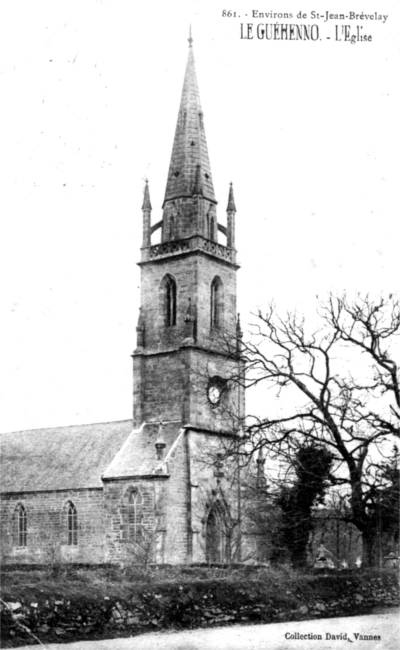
[117, 583]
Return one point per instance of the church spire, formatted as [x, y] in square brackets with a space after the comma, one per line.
[190, 166]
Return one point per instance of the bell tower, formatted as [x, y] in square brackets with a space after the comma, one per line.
[181, 368]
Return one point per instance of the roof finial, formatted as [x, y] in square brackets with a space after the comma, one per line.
[160, 443]
[239, 332]
[231, 201]
[146, 197]
[190, 39]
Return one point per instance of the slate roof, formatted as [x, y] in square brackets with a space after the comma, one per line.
[138, 455]
[61, 458]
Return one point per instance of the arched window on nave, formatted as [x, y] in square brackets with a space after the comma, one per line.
[20, 526]
[72, 524]
[135, 515]
[132, 515]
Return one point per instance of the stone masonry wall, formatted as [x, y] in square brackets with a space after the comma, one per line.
[207, 269]
[159, 387]
[184, 272]
[118, 547]
[224, 416]
[177, 506]
[173, 387]
[203, 603]
[207, 489]
[190, 218]
[193, 275]
[47, 540]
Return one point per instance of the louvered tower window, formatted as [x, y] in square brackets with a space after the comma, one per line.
[170, 301]
[217, 302]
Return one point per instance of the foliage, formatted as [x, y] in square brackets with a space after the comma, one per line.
[312, 464]
[384, 498]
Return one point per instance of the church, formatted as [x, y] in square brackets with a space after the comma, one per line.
[154, 486]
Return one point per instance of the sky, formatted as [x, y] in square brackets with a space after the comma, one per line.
[307, 131]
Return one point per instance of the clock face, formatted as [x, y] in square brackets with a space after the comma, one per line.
[214, 394]
[216, 387]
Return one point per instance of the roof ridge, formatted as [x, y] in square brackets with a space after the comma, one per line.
[66, 426]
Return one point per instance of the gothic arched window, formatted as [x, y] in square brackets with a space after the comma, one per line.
[134, 515]
[20, 530]
[217, 302]
[168, 300]
[72, 524]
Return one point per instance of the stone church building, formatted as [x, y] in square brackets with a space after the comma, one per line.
[113, 491]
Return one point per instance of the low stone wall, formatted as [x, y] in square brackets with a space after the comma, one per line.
[193, 605]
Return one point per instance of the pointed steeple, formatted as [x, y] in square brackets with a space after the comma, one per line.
[190, 166]
[146, 197]
[231, 210]
[146, 208]
[231, 201]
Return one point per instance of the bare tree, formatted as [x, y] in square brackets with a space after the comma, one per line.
[141, 551]
[338, 385]
[370, 326]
